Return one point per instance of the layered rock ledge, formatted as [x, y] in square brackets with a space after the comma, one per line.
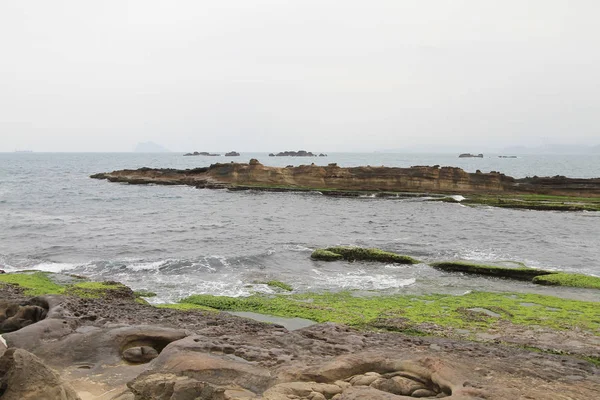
[332, 179]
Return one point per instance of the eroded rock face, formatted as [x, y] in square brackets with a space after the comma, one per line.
[376, 376]
[14, 316]
[421, 179]
[186, 368]
[219, 356]
[26, 377]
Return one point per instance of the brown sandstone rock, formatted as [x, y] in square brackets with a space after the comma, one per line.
[140, 354]
[25, 377]
[184, 369]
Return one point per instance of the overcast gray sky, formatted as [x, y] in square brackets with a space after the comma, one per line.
[270, 75]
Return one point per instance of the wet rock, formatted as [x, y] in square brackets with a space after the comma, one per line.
[26, 377]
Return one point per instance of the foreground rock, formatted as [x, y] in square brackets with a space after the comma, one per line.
[25, 377]
[114, 348]
[344, 180]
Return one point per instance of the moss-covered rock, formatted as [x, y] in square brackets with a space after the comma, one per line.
[413, 314]
[566, 279]
[37, 283]
[521, 273]
[361, 254]
[144, 293]
[186, 307]
[279, 285]
[325, 255]
[34, 283]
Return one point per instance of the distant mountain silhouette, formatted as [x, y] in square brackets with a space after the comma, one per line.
[150, 147]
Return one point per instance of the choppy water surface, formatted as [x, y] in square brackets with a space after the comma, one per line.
[179, 240]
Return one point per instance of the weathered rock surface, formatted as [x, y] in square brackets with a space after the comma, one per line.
[415, 179]
[25, 377]
[104, 349]
[15, 316]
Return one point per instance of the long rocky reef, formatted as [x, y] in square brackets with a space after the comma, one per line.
[493, 188]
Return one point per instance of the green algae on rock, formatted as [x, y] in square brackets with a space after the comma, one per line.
[279, 285]
[325, 255]
[186, 307]
[361, 254]
[521, 273]
[571, 280]
[33, 283]
[144, 293]
[424, 314]
[37, 283]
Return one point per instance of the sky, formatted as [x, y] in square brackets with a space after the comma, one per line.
[319, 75]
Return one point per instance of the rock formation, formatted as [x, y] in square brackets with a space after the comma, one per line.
[469, 155]
[418, 179]
[232, 154]
[299, 153]
[113, 348]
[202, 153]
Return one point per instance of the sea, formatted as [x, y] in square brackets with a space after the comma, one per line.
[178, 240]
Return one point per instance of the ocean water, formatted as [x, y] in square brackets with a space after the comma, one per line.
[179, 240]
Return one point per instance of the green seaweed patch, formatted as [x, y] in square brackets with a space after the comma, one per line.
[186, 307]
[40, 283]
[426, 314]
[144, 293]
[362, 254]
[536, 202]
[34, 283]
[521, 273]
[279, 285]
[94, 289]
[566, 279]
[325, 255]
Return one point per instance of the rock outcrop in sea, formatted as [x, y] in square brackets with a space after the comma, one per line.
[299, 153]
[337, 180]
[202, 153]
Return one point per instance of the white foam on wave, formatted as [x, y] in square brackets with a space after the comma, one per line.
[142, 266]
[297, 247]
[457, 197]
[53, 267]
[363, 281]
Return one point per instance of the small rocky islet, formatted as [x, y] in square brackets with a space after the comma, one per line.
[69, 338]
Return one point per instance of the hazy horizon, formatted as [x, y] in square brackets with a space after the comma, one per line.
[323, 76]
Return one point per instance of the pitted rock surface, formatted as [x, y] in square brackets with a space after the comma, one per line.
[211, 355]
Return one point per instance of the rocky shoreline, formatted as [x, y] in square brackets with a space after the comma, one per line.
[112, 346]
[494, 188]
